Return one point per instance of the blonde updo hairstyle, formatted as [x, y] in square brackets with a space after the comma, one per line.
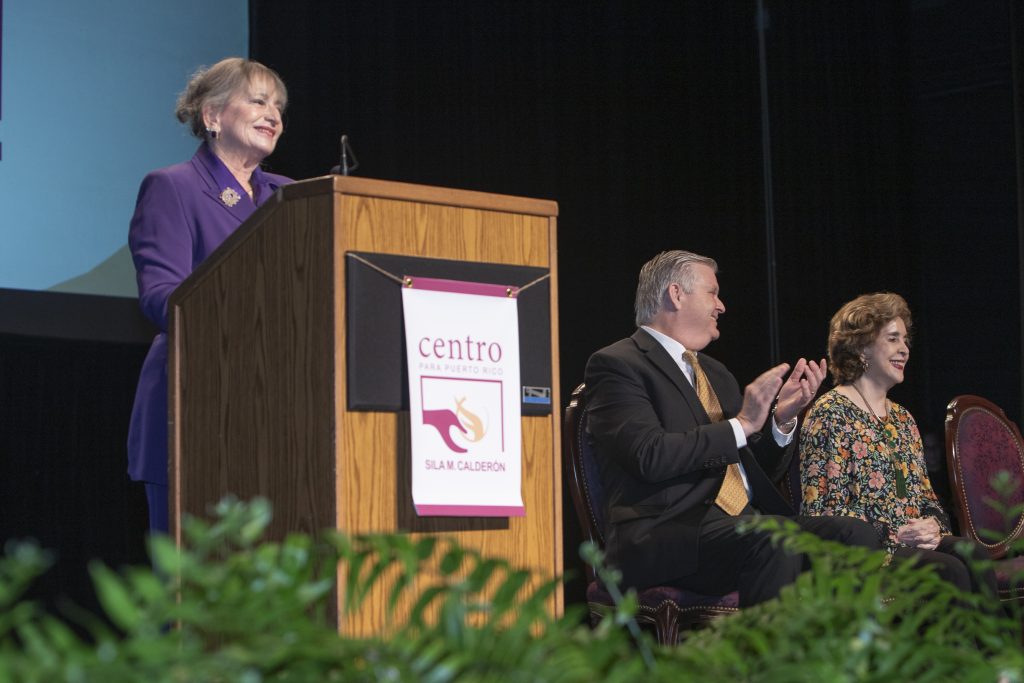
[855, 326]
[213, 86]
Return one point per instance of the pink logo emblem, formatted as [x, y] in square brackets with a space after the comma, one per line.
[464, 420]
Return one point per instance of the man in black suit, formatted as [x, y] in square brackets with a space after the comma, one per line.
[685, 457]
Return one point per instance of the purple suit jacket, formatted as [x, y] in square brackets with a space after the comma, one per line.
[179, 220]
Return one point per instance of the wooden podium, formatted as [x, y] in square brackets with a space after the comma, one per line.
[257, 370]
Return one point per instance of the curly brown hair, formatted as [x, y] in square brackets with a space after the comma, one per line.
[855, 326]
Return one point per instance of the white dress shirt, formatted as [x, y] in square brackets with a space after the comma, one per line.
[675, 351]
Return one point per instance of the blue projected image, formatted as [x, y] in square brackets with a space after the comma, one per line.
[1, 74]
[87, 94]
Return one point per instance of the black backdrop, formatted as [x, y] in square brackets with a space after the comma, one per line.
[891, 143]
[894, 165]
[892, 147]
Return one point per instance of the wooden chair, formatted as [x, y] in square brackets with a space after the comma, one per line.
[981, 441]
[666, 609]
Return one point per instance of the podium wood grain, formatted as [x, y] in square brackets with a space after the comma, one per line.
[257, 370]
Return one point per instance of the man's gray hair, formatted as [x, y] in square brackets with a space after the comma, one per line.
[661, 271]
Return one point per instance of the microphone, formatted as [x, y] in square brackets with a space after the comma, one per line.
[346, 165]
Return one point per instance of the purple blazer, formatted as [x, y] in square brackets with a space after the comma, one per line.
[180, 219]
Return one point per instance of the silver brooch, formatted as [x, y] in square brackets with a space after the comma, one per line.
[229, 197]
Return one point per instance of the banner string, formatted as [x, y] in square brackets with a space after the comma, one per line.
[380, 270]
[401, 281]
[543, 277]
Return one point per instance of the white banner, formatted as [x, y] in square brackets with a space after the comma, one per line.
[462, 344]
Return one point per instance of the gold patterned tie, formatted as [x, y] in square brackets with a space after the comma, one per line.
[732, 497]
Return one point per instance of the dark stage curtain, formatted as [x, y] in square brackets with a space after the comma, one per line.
[891, 144]
[640, 119]
[63, 481]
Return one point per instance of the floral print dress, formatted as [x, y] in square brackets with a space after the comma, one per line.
[852, 464]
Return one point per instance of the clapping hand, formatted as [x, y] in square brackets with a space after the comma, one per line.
[758, 397]
[799, 389]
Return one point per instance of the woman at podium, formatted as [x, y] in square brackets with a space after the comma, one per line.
[183, 213]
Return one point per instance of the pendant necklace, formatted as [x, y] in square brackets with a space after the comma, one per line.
[889, 439]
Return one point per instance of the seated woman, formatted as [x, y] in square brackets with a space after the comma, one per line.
[861, 454]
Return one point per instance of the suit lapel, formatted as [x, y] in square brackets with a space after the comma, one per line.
[658, 356]
[241, 210]
[219, 183]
